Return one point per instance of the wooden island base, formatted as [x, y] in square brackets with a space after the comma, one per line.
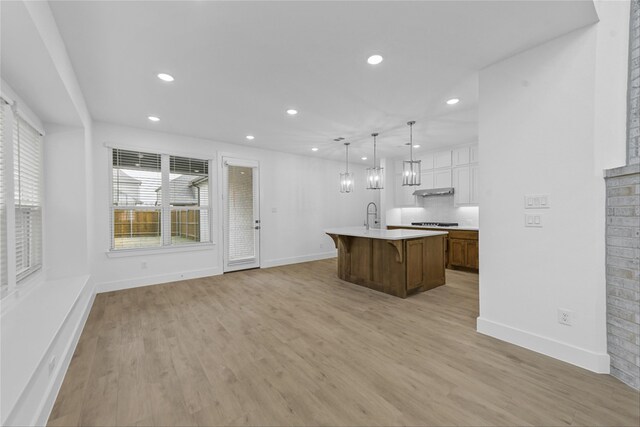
[396, 267]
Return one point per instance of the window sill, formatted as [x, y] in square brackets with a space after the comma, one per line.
[9, 298]
[122, 253]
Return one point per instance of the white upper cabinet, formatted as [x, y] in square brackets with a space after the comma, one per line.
[473, 176]
[442, 159]
[442, 179]
[461, 156]
[462, 189]
[465, 184]
[473, 154]
[457, 168]
[427, 181]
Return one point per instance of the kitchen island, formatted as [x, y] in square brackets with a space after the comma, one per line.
[462, 248]
[396, 262]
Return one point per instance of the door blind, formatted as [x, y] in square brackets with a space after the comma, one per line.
[27, 171]
[3, 209]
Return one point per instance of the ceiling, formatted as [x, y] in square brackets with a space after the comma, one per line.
[239, 65]
[27, 67]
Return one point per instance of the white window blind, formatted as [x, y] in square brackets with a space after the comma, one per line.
[3, 208]
[137, 195]
[27, 172]
[189, 200]
[141, 218]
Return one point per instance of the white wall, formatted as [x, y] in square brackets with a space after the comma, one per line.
[66, 249]
[537, 112]
[299, 198]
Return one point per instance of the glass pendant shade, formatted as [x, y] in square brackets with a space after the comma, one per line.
[375, 174]
[411, 168]
[346, 178]
[346, 182]
[375, 178]
[411, 172]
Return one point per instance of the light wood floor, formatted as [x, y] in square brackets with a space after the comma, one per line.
[294, 345]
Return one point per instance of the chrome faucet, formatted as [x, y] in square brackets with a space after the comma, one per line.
[374, 213]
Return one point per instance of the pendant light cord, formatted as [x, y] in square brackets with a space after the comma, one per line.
[347, 145]
[411, 123]
[374, 135]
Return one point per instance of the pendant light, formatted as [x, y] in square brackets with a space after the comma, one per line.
[375, 174]
[346, 179]
[411, 168]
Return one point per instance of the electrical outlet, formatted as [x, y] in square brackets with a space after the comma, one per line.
[565, 317]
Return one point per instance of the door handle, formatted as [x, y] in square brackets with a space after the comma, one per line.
[257, 227]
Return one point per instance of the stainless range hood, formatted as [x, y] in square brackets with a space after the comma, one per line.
[434, 192]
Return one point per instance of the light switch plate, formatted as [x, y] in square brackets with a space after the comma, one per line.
[537, 201]
[533, 220]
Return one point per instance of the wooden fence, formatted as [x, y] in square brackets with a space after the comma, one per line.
[132, 223]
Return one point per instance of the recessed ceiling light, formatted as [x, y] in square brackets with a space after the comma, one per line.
[166, 77]
[154, 118]
[292, 112]
[374, 59]
[250, 137]
[416, 146]
[363, 158]
[453, 101]
[314, 149]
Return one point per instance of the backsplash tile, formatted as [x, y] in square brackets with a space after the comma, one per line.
[441, 208]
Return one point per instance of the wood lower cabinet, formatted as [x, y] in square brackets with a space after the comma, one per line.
[473, 256]
[463, 253]
[461, 248]
[396, 267]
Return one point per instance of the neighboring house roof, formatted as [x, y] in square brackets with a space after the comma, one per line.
[183, 190]
[128, 189]
[124, 177]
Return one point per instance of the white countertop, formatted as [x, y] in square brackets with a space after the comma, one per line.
[376, 233]
[422, 227]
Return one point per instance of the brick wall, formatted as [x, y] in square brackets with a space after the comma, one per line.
[633, 110]
[623, 273]
[623, 233]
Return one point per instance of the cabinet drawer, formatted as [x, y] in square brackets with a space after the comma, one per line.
[463, 234]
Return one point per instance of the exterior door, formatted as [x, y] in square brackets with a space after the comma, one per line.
[240, 200]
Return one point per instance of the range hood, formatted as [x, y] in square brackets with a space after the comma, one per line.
[434, 192]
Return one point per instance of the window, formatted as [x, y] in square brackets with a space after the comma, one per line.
[20, 198]
[27, 175]
[145, 214]
[136, 213]
[189, 200]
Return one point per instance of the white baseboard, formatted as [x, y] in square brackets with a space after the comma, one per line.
[195, 274]
[156, 279]
[297, 259]
[587, 359]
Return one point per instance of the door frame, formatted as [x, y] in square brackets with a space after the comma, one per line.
[223, 158]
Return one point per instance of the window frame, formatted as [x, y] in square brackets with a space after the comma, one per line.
[165, 208]
[20, 281]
